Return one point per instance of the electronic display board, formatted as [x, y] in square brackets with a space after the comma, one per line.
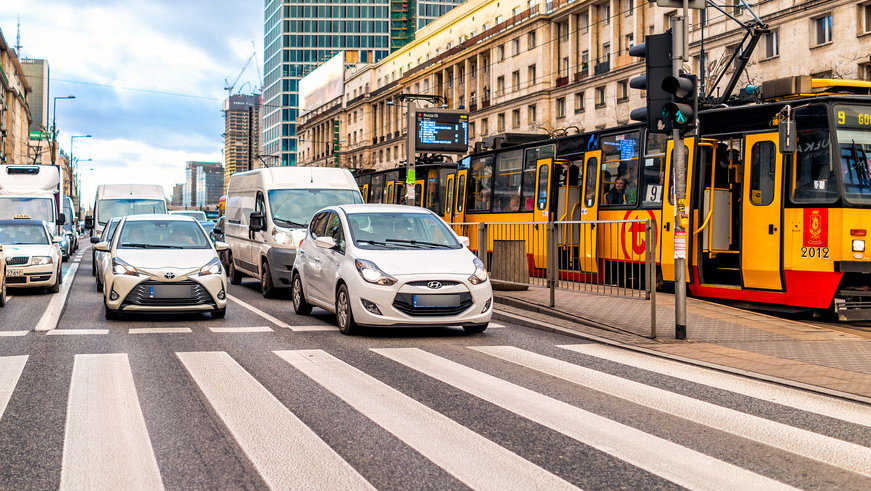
[440, 130]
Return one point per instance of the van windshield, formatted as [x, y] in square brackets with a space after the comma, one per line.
[294, 207]
[35, 208]
[109, 208]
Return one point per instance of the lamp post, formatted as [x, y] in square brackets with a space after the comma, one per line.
[78, 182]
[74, 189]
[54, 123]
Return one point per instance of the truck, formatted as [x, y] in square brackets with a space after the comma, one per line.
[34, 192]
[119, 200]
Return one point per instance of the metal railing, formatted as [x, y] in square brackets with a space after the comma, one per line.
[604, 257]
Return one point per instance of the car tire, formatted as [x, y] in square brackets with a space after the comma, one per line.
[110, 314]
[93, 264]
[56, 287]
[99, 285]
[344, 314]
[64, 258]
[233, 273]
[267, 288]
[300, 306]
[476, 328]
[219, 314]
[3, 295]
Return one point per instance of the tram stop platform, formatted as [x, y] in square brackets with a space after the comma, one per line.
[800, 354]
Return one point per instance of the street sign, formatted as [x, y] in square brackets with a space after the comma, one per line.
[439, 130]
[410, 176]
[693, 4]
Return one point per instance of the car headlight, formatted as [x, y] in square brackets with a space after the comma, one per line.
[40, 260]
[480, 274]
[858, 245]
[372, 273]
[212, 267]
[122, 268]
[282, 238]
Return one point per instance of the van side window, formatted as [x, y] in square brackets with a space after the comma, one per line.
[260, 205]
[317, 224]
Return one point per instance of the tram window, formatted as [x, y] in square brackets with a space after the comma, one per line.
[762, 173]
[480, 184]
[506, 185]
[814, 179]
[620, 169]
[530, 160]
[375, 192]
[542, 188]
[461, 191]
[590, 185]
[449, 197]
[653, 172]
[418, 194]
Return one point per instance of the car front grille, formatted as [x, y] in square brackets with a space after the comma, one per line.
[140, 295]
[425, 284]
[403, 302]
[17, 260]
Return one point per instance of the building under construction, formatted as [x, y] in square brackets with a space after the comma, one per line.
[241, 134]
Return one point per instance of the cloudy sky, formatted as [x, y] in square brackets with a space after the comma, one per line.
[148, 77]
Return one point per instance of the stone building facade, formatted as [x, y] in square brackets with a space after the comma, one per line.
[562, 66]
[14, 112]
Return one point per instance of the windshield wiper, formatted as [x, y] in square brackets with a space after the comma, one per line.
[374, 242]
[151, 246]
[419, 243]
[290, 223]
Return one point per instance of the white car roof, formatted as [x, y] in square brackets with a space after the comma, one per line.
[382, 208]
[155, 217]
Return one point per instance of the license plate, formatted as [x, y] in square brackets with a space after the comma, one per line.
[14, 273]
[170, 291]
[451, 300]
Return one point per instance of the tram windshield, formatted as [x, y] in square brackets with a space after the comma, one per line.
[853, 125]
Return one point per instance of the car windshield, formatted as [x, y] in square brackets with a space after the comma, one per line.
[400, 231]
[162, 234]
[23, 234]
[35, 208]
[108, 208]
[294, 207]
[193, 214]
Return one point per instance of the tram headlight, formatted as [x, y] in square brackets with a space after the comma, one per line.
[858, 245]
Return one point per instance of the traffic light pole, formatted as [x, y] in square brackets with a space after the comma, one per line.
[679, 161]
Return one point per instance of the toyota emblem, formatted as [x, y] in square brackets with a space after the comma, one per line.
[169, 275]
[435, 285]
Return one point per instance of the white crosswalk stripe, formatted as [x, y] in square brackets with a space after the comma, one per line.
[681, 465]
[103, 405]
[10, 371]
[802, 442]
[286, 452]
[471, 458]
[806, 401]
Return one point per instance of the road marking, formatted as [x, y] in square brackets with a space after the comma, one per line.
[286, 452]
[805, 401]
[13, 333]
[55, 308]
[106, 445]
[314, 328]
[241, 329]
[474, 460]
[680, 465]
[838, 453]
[65, 332]
[10, 371]
[259, 312]
[158, 330]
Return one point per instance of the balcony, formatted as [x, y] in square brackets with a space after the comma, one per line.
[581, 75]
[561, 81]
[602, 68]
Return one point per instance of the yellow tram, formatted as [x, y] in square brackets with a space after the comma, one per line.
[766, 225]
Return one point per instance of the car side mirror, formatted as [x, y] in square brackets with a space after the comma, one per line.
[102, 246]
[61, 219]
[325, 242]
[94, 240]
[57, 239]
[217, 230]
[256, 222]
[464, 240]
[221, 246]
[89, 222]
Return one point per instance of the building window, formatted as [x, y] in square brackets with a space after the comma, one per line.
[565, 67]
[579, 102]
[500, 52]
[865, 15]
[515, 47]
[500, 122]
[485, 126]
[772, 44]
[532, 75]
[622, 91]
[822, 30]
[531, 114]
[600, 97]
[605, 13]
[606, 53]
[471, 130]
[500, 85]
[561, 107]
[630, 7]
[865, 71]
[585, 60]
[515, 118]
[630, 41]
[530, 40]
[515, 80]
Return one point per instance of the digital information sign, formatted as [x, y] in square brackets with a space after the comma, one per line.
[440, 130]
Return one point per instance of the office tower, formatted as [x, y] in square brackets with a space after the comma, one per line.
[204, 184]
[242, 134]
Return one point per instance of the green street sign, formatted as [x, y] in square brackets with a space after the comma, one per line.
[410, 177]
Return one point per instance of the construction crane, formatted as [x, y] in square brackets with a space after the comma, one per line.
[228, 86]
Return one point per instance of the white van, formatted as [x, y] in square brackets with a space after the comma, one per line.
[31, 191]
[267, 213]
[121, 200]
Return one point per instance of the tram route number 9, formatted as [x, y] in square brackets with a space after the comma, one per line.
[862, 119]
[815, 252]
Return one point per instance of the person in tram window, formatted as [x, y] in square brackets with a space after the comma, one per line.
[617, 194]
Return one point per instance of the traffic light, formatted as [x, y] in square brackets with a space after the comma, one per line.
[656, 50]
[681, 111]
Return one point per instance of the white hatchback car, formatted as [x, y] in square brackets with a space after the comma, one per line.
[162, 263]
[392, 266]
[32, 254]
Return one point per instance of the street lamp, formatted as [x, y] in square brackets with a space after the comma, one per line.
[74, 188]
[54, 126]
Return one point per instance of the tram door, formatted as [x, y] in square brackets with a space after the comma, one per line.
[589, 242]
[666, 233]
[543, 194]
[761, 249]
[460, 194]
[448, 214]
[364, 190]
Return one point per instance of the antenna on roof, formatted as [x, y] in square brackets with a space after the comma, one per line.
[18, 39]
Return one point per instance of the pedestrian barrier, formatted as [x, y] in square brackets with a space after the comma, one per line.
[604, 257]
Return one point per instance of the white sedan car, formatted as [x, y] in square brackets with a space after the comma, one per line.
[32, 255]
[389, 265]
[162, 263]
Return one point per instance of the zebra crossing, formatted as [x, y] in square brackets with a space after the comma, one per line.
[109, 444]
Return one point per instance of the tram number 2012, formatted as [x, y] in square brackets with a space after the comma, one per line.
[818, 252]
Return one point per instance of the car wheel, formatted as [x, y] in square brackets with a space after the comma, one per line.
[266, 287]
[219, 314]
[344, 316]
[109, 313]
[3, 295]
[233, 273]
[476, 328]
[300, 306]
[56, 287]
[93, 264]
[99, 285]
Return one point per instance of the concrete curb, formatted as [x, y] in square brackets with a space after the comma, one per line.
[545, 326]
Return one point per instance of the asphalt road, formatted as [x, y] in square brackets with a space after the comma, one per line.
[265, 398]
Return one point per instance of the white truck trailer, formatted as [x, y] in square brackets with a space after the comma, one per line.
[32, 191]
[119, 200]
